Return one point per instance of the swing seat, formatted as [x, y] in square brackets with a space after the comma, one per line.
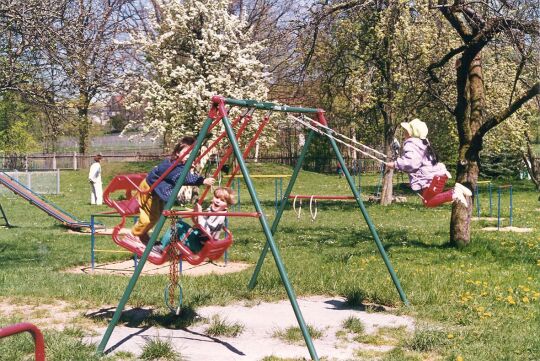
[195, 244]
[128, 184]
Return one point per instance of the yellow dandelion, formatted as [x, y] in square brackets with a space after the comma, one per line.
[510, 300]
[488, 314]
[450, 336]
[459, 358]
[525, 299]
[480, 309]
[510, 289]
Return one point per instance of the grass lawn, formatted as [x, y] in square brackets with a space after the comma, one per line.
[479, 303]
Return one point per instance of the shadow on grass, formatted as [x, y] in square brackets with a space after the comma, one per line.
[140, 317]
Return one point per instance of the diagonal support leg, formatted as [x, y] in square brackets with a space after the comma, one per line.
[269, 238]
[283, 204]
[370, 224]
[153, 238]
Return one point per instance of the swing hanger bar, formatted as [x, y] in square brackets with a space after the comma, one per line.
[300, 196]
[264, 105]
[186, 214]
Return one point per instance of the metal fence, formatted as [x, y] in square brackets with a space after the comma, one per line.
[42, 182]
[73, 161]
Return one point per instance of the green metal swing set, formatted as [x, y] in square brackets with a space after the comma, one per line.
[220, 112]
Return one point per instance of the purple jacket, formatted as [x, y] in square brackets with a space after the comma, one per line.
[416, 162]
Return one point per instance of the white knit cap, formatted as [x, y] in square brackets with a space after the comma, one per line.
[416, 128]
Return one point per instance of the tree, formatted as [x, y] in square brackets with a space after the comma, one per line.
[510, 26]
[371, 64]
[198, 50]
[86, 55]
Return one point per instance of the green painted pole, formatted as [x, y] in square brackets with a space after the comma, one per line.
[368, 220]
[269, 238]
[155, 234]
[284, 201]
[268, 106]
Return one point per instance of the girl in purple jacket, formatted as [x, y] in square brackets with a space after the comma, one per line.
[426, 174]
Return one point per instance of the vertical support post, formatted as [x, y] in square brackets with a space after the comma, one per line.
[28, 179]
[490, 200]
[268, 234]
[54, 161]
[477, 195]
[275, 195]
[511, 205]
[92, 241]
[499, 209]
[368, 220]
[153, 238]
[239, 203]
[57, 181]
[284, 201]
[74, 160]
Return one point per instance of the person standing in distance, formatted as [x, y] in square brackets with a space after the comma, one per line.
[94, 177]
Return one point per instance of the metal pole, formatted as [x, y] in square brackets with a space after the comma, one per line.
[92, 240]
[153, 238]
[282, 205]
[269, 237]
[511, 205]
[499, 209]
[368, 221]
[490, 200]
[477, 194]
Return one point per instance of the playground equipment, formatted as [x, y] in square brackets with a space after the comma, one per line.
[313, 203]
[48, 207]
[510, 206]
[477, 196]
[4, 217]
[220, 114]
[39, 342]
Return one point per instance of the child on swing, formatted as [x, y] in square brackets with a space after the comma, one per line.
[152, 203]
[426, 174]
[211, 224]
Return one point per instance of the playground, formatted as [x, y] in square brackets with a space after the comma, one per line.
[345, 279]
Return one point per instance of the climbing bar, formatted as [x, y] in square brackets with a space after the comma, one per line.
[320, 197]
[225, 214]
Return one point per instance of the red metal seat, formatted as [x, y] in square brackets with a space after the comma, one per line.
[129, 185]
[212, 249]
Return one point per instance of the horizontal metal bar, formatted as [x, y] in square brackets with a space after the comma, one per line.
[320, 197]
[269, 106]
[225, 214]
[261, 176]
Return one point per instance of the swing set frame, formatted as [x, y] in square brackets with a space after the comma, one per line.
[219, 111]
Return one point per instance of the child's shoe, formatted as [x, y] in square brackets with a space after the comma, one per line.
[157, 249]
[458, 196]
[466, 191]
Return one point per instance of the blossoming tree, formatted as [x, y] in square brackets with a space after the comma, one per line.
[198, 49]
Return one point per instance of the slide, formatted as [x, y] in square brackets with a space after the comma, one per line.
[48, 207]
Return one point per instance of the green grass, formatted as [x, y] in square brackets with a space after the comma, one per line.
[487, 296]
[221, 327]
[158, 349]
[293, 335]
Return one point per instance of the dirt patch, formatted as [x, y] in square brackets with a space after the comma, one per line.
[260, 322]
[488, 219]
[99, 231]
[127, 267]
[508, 229]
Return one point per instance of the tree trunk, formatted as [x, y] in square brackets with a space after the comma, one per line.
[468, 167]
[83, 122]
[387, 192]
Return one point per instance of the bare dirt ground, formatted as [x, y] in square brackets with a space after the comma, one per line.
[260, 322]
[127, 268]
[508, 229]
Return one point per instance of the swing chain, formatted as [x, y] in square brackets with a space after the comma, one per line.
[174, 259]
